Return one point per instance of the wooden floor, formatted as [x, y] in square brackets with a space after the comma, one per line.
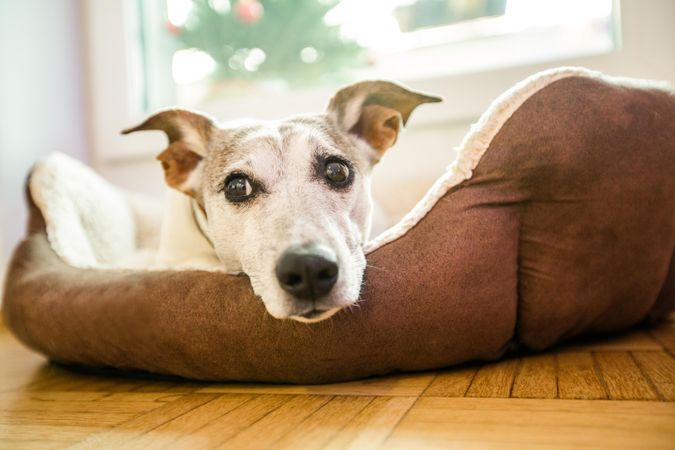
[619, 393]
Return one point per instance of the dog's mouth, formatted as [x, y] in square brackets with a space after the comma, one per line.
[315, 315]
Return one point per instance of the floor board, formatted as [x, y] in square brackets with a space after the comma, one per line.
[437, 422]
[578, 377]
[609, 393]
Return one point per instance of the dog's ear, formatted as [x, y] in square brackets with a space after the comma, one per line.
[375, 111]
[189, 135]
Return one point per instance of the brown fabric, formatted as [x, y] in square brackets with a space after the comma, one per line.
[566, 227]
[592, 169]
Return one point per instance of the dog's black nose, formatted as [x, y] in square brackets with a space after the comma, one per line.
[307, 272]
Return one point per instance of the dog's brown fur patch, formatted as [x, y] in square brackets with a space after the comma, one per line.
[178, 161]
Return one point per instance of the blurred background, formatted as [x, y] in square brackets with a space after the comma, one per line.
[75, 72]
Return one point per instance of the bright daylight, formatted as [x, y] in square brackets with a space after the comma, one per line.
[337, 224]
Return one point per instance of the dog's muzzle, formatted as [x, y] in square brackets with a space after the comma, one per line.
[307, 272]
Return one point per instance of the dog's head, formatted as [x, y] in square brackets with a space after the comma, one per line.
[288, 202]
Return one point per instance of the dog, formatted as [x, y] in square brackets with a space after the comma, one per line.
[287, 202]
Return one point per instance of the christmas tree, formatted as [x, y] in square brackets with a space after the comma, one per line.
[270, 39]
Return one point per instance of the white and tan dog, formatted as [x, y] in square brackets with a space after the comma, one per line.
[287, 202]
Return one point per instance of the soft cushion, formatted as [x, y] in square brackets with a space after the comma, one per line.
[556, 220]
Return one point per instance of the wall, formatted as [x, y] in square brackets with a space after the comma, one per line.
[42, 98]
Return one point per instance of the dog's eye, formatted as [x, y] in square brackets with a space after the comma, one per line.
[338, 173]
[238, 188]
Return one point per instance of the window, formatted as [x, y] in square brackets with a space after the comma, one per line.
[468, 51]
[201, 53]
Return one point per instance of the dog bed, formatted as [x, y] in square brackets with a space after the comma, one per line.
[556, 220]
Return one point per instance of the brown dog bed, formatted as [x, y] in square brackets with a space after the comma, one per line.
[556, 220]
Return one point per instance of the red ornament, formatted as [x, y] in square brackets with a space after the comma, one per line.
[248, 11]
[173, 29]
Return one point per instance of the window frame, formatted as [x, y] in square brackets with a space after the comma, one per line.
[115, 100]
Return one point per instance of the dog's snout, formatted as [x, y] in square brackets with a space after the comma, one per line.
[307, 273]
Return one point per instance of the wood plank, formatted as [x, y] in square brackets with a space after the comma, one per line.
[19, 366]
[48, 396]
[117, 385]
[62, 433]
[437, 422]
[230, 424]
[8, 341]
[665, 335]
[396, 385]
[368, 429]
[636, 340]
[85, 396]
[161, 397]
[577, 378]
[494, 380]
[536, 378]
[660, 369]
[71, 381]
[53, 378]
[23, 405]
[622, 377]
[273, 426]
[452, 383]
[32, 444]
[65, 419]
[166, 435]
[322, 425]
[45, 406]
[15, 377]
[154, 386]
[144, 423]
